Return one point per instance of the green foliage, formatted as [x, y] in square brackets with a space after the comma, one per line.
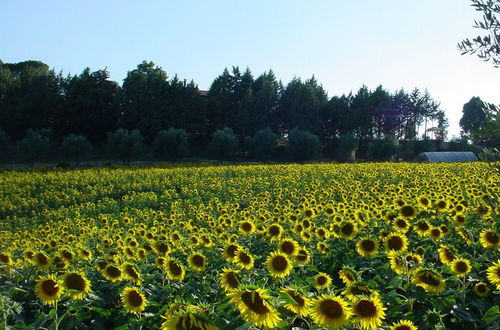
[303, 145]
[487, 47]
[35, 145]
[75, 147]
[262, 144]
[473, 115]
[223, 143]
[348, 145]
[171, 144]
[4, 144]
[384, 149]
[126, 145]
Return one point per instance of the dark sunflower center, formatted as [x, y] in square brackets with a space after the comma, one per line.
[366, 308]
[131, 272]
[429, 279]
[460, 219]
[368, 245]
[298, 299]
[198, 260]
[395, 243]
[113, 271]
[402, 327]
[347, 229]
[481, 288]
[41, 259]
[308, 213]
[435, 232]
[461, 267]
[424, 201]
[449, 255]
[407, 211]
[4, 258]
[492, 237]
[231, 250]
[321, 280]
[134, 298]
[162, 247]
[321, 232]
[246, 226]
[441, 204]
[75, 282]
[67, 255]
[175, 269]
[287, 247]
[302, 256]
[401, 223]
[244, 258]
[331, 309]
[254, 302]
[279, 263]
[50, 287]
[232, 280]
[274, 230]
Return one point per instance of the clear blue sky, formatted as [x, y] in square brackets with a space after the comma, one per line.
[396, 43]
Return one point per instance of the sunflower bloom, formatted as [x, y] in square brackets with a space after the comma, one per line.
[301, 305]
[489, 239]
[48, 290]
[255, 308]
[461, 267]
[368, 312]
[493, 274]
[77, 283]
[279, 265]
[229, 279]
[330, 312]
[403, 325]
[133, 300]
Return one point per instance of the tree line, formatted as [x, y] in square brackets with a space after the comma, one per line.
[240, 114]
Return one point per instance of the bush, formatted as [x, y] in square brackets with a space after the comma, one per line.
[4, 145]
[262, 144]
[171, 144]
[223, 143]
[35, 145]
[348, 145]
[384, 149]
[75, 147]
[125, 145]
[303, 145]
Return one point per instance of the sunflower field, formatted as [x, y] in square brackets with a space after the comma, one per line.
[357, 246]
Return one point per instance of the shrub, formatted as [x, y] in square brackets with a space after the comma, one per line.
[384, 149]
[262, 144]
[35, 145]
[75, 147]
[303, 145]
[348, 145]
[4, 145]
[223, 143]
[125, 145]
[171, 144]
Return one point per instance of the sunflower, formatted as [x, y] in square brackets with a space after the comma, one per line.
[403, 325]
[356, 289]
[407, 211]
[131, 273]
[77, 283]
[175, 270]
[41, 261]
[368, 312]
[6, 258]
[244, 259]
[187, 317]
[348, 229]
[197, 261]
[301, 303]
[330, 312]
[229, 279]
[289, 247]
[401, 225]
[367, 247]
[255, 307]
[435, 233]
[446, 255]
[481, 289]
[424, 202]
[489, 239]
[460, 266]
[459, 219]
[348, 275]
[49, 290]
[246, 227]
[396, 242]
[133, 300]
[303, 257]
[113, 273]
[279, 265]
[230, 251]
[322, 280]
[493, 274]
[429, 280]
[274, 231]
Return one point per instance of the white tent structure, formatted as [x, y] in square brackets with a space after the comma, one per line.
[447, 157]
